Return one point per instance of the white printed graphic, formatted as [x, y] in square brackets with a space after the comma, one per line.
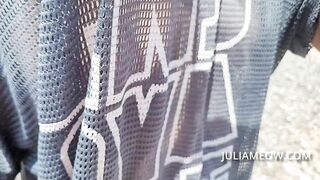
[225, 176]
[65, 147]
[214, 175]
[143, 103]
[60, 125]
[57, 126]
[205, 24]
[223, 60]
[194, 170]
[212, 21]
[101, 145]
[90, 36]
[188, 69]
[155, 41]
[232, 42]
[184, 160]
[92, 99]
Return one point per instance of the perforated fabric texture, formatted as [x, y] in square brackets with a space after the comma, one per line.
[139, 89]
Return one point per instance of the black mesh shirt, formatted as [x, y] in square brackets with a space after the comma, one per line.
[139, 89]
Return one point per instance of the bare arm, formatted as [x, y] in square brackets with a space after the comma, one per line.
[316, 38]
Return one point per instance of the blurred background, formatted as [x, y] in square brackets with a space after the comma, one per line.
[291, 119]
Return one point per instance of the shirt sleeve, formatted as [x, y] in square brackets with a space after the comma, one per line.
[304, 27]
